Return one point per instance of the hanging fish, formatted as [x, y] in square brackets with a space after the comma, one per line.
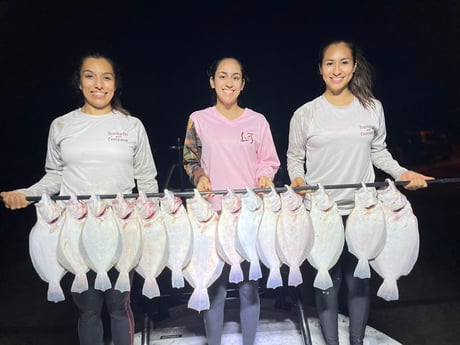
[131, 240]
[329, 236]
[68, 250]
[401, 249]
[246, 231]
[180, 238]
[205, 265]
[226, 235]
[266, 238]
[100, 241]
[365, 230]
[295, 234]
[43, 242]
[154, 244]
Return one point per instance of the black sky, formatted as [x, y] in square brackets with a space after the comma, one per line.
[164, 49]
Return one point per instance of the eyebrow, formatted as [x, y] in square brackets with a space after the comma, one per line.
[223, 72]
[104, 73]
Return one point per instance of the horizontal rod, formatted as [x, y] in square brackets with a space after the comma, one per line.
[190, 193]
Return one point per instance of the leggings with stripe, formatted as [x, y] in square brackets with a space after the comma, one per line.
[358, 301]
[249, 308]
[90, 304]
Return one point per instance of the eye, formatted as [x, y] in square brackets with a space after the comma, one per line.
[88, 76]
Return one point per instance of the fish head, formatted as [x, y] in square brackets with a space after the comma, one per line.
[147, 207]
[322, 199]
[272, 200]
[251, 200]
[170, 203]
[290, 199]
[123, 208]
[231, 201]
[48, 209]
[201, 208]
[96, 205]
[391, 197]
[77, 209]
[366, 197]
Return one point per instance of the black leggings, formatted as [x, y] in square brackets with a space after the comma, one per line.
[358, 301]
[90, 304]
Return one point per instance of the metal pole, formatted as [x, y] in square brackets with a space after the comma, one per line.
[190, 193]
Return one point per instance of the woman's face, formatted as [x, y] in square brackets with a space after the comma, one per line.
[228, 82]
[337, 67]
[97, 83]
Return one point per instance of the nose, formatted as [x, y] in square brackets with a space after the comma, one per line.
[98, 83]
[336, 69]
[229, 82]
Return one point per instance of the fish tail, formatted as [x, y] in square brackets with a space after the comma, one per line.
[102, 281]
[274, 279]
[362, 269]
[55, 293]
[123, 283]
[323, 280]
[199, 300]
[177, 279]
[388, 290]
[151, 288]
[80, 283]
[236, 273]
[255, 272]
[295, 276]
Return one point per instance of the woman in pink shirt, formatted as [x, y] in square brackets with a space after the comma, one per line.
[229, 146]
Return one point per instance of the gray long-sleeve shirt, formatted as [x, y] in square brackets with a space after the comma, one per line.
[339, 145]
[101, 154]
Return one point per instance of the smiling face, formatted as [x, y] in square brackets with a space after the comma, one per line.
[337, 68]
[228, 82]
[97, 83]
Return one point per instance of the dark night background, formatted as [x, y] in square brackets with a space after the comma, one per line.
[165, 47]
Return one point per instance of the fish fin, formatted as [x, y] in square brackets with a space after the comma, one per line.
[80, 283]
[255, 273]
[55, 293]
[102, 281]
[362, 269]
[199, 300]
[388, 290]
[274, 279]
[236, 273]
[123, 284]
[150, 288]
[177, 279]
[323, 280]
[295, 276]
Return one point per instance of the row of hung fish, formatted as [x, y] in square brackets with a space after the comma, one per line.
[194, 241]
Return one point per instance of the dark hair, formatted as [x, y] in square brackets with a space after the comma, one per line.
[76, 81]
[212, 73]
[362, 82]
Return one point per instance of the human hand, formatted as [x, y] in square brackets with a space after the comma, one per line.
[204, 184]
[416, 179]
[300, 182]
[265, 182]
[14, 200]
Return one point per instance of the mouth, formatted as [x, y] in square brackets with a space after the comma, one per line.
[98, 94]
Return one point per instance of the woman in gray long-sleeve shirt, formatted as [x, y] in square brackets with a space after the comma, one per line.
[338, 138]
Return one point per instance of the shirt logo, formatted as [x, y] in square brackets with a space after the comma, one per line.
[366, 130]
[247, 137]
[117, 136]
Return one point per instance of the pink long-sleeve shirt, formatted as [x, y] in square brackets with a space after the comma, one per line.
[234, 153]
